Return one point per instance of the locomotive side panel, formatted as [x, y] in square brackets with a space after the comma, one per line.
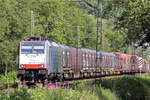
[56, 58]
[48, 57]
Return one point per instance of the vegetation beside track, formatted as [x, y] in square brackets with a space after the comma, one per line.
[80, 91]
[135, 87]
[10, 78]
[129, 88]
[77, 91]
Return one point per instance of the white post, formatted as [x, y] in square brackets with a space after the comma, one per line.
[140, 71]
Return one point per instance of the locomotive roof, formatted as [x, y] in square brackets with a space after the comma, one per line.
[29, 43]
[65, 47]
[84, 50]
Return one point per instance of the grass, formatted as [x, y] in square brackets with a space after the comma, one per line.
[129, 88]
[81, 91]
[49, 94]
[123, 88]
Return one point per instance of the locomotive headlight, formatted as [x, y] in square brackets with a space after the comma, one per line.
[22, 66]
[42, 65]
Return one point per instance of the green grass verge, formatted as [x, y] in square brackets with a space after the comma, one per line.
[123, 88]
[129, 88]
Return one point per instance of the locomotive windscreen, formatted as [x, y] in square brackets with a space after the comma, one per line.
[32, 47]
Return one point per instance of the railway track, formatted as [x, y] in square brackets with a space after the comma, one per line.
[10, 86]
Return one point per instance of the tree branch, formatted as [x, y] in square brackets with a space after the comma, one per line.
[90, 5]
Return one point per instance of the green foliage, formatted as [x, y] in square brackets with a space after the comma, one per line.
[19, 94]
[132, 18]
[126, 88]
[106, 94]
[81, 91]
[14, 27]
[58, 19]
[99, 92]
[62, 94]
[91, 7]
[130, 88]
[115, 40]
[10, 78]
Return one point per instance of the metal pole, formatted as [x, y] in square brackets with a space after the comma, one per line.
[78, 46]
[97, 43]
[32, 23]
[78, 31]
[100, 25]
[99, 29]
[46, 36]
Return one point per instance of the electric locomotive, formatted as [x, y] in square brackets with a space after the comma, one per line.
[32, 60]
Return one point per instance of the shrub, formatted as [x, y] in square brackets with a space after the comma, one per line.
[20, 94]
[10, 78]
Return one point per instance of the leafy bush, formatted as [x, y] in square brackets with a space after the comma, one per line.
[130, 88]
[105, 94]
[17, 94]
[48, 93]
[10, 78]
[20, 94]
[94, 92]
[2, 97]
[78, 91]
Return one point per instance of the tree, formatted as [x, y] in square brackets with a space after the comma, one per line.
[56, 17]
[14, 26]
[59, 19]
[132, 19]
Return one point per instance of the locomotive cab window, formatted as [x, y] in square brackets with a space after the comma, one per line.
[38, 49]
[26, 49]
[32, 47]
